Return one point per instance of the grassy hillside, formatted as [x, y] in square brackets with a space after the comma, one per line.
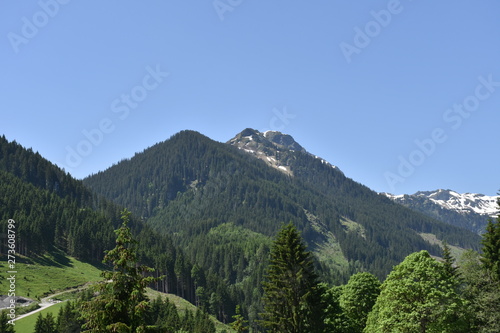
[54, 272]
[40, 276]
[27, 324]
[183, 305]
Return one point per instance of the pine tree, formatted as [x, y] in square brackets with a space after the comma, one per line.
[5, 327]
[67, 319]
[122, 303]
[45, 325]
[239, 322]
[448, 261]
[292, 295]
[482, 292]
[491, 247]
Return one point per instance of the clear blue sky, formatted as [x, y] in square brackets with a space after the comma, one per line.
[401, 95]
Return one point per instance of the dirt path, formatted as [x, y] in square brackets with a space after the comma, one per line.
[48, 301]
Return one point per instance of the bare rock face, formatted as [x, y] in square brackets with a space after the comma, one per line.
[273, 147]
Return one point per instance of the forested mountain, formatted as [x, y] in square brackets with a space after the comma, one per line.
[222, 206]
[53, 210]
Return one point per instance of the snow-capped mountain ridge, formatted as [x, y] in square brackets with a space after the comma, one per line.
[463, 202]
[468, 210]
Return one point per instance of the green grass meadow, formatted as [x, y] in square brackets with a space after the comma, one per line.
[27, 324]
[53, 273]
[44, 275]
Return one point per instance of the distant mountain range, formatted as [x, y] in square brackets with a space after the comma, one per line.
[468, 210]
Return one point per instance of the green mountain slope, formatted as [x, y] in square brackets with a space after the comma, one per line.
[193, 188]
[55, 213]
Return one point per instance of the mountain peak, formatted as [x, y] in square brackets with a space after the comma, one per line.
[283, 140]
[273, 147]
[280, 140]
[265, 146]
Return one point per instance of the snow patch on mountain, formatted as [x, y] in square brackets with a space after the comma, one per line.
[269, 146]
[460, 202]
[464, 202]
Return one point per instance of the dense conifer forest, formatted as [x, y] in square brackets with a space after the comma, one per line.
[212, 222]
[53, 210]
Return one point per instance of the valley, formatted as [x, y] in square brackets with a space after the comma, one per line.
[205, 215]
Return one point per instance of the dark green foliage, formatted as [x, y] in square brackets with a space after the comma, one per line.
[45, 324]
[44, 219]
[189, 186]
[239, 323]
[220, 206]
[163, 314]
[292, 295]
[482, 291]
[481, 277]
[51, 209]
[449, 262]
[68, 319]
[5, 327]
[491, 247]
[122, 303]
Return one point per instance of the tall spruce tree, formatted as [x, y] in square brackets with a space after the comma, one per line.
[449, 262]
[482, 280]
[122, 303]
[292, 295]
[239, 322]
[491, 247]
[45, 324]
[482, 292]
[68, 319]
[5, 326]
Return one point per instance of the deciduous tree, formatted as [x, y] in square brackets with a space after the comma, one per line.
[358, 298]
[418, 296]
